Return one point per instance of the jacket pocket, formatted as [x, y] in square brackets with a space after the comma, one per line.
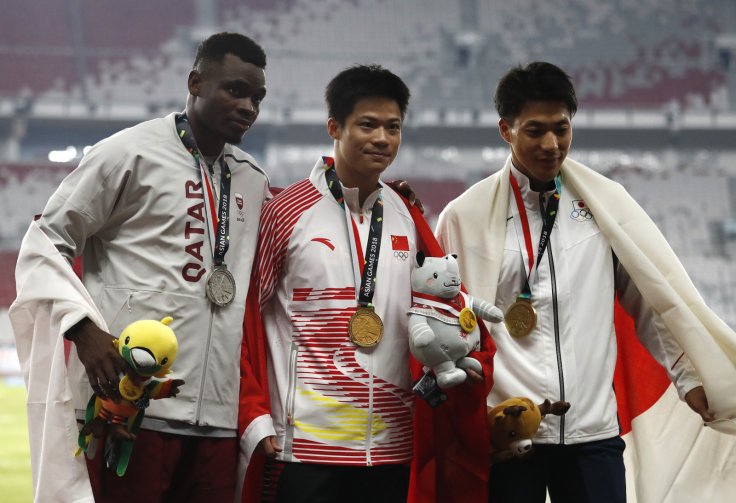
[291, 392]
[291, 398]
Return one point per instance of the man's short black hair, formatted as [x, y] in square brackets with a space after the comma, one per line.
[215, 47]
[538, 81]
[363, 81]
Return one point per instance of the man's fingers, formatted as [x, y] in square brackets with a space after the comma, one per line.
[275, 446]
[109, 388]
[270, 447]
[698, 401]
[473, 376]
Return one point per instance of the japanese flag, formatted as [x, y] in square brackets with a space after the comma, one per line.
[670, 456]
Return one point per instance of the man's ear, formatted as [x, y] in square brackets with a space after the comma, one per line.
[333, 128]
[505, 129]
[194, 82]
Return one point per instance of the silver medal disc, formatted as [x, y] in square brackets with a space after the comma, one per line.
[220, 286]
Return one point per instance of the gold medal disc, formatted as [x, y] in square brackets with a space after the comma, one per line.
[468, 322]
[520, 318]
[129, 390]
[365, 328]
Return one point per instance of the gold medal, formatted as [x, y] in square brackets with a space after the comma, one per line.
[468, 322]
[520, 318]
[129, 390]
[365, 328]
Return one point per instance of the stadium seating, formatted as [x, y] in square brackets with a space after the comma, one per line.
[628, 53]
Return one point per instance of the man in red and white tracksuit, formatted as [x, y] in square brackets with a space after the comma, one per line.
[333, 284]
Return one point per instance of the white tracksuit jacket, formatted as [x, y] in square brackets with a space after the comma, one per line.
[571, 354]
[134, 208]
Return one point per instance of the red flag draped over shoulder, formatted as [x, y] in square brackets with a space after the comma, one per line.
[254, 400]
[451, 444]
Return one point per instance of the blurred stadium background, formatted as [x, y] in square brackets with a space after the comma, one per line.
[656, 80]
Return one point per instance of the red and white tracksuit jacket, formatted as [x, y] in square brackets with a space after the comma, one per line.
[325, 399]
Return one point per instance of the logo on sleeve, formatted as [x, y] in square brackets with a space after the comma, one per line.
[580, 212]
[400, 246]
[324, 241]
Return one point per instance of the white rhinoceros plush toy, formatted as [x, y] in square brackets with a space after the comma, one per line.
[443, 326]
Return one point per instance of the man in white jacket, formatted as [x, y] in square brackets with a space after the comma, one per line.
[539, 239]
[165, 216]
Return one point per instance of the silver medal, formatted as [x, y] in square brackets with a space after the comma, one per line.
[220, 286]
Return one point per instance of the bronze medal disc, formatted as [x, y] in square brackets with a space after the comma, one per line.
[468, 322]
[220, 286]
[365, 328]
[520, 318]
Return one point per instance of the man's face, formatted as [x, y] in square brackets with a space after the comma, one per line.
[539, 138]
[228, 96]
[367, 143]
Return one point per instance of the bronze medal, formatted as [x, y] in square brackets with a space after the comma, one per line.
[468, 322]
[520, 318]
[365, 328]
[220, 286]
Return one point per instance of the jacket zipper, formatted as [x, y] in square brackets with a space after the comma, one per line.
[204, 365]
[369, 433]
[555, 316]
[560, 372]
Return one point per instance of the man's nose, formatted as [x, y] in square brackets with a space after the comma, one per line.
[380, 136]
[549, 141]
[247, 105]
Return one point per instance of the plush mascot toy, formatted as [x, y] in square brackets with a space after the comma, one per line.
[149, 347]
[443, 325]
[513, 422]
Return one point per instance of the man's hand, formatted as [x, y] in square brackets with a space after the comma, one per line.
[101, 360]
[697, 401]
[474, 377]
[269, 447]
[403, 188]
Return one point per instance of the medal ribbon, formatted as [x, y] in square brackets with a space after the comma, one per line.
[219, 222]
[549, 214]
[453, 306]
[368, 265]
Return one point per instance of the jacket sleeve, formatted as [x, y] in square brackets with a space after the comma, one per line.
[86, 200]
[654, 336]
[254, 415]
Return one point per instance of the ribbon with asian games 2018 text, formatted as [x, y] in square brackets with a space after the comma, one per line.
[365, 326]
[220, 284]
